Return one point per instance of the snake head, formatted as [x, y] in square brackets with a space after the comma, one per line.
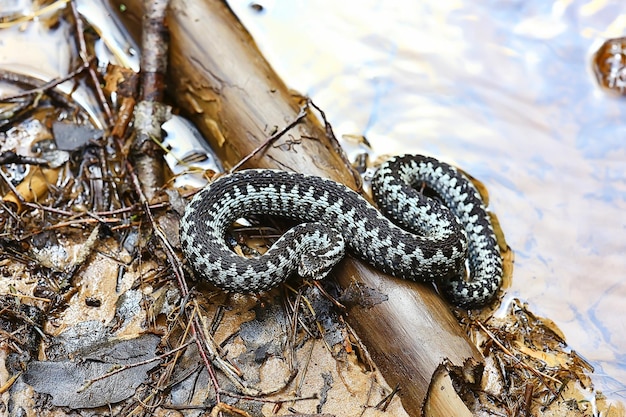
[318, 261]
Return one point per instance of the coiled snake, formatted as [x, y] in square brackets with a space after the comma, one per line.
[424, 241]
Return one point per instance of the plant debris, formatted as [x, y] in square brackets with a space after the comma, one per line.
[97, 374]
[609, 65]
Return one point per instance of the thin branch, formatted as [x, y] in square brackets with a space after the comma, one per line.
[92, 72]
[50, 84]
[12, 187]
[271, 139]
[94, 214]
[133, 365]
[36, 13]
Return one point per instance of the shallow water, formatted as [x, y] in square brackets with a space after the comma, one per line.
[505, 91]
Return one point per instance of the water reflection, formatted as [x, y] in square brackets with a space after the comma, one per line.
[506, 91]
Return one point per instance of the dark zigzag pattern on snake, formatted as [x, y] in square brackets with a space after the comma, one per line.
[424, 241]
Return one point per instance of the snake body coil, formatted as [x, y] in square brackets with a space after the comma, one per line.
[428, 242]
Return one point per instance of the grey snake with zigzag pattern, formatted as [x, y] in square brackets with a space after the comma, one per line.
[424, 241]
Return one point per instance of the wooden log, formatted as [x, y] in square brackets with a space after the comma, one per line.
[220, 79]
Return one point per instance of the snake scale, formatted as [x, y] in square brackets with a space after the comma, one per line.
[420, 239]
